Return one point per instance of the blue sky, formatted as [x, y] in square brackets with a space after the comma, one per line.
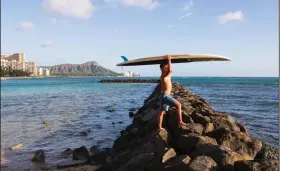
[76, 31]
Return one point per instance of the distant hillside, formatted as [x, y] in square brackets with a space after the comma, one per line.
[91, 68]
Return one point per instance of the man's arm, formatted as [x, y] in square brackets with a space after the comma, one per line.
[169, 66]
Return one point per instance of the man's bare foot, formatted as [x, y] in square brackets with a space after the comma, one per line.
[183, 124]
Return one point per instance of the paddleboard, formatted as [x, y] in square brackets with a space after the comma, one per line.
[175, 58]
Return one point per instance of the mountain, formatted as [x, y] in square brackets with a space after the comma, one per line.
[91, 68]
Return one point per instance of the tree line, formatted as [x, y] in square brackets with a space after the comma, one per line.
[9, 72]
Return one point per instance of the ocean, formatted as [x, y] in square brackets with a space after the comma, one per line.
[82, 104]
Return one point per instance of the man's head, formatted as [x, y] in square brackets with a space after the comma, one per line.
[164, 67]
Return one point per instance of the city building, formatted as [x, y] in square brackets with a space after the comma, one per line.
[130, 74]
[43, 72]
[17, 62]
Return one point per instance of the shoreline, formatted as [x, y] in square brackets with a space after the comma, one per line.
[207, 127]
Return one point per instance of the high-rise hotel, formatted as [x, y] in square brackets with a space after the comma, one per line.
[17, 61]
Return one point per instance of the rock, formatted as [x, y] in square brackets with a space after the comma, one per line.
[191, 128]
[46, 122]
[138, 162]
[168, 154]
[149, 114]
[39, 156]
[120, 122]
[98, 157]
[188, 143]
[208, 128]
[221, 120]
[67, 152]
[177, 163]
[15, 147]
[242, 127]
[81, 153]
[202, 163]
[131, 114]
[83, 133]
[66, 164]
[113, 123]
[223, 156]
[132, 109]
[237, 141]
[267, 152]
[111, 110]
[198, 118]
[94, 149]
[257, 165]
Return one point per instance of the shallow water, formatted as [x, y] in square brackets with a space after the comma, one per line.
[73, 105]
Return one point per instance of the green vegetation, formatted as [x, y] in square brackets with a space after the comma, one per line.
[9, 72]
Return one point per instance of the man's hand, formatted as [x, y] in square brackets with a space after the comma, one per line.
[169, 57]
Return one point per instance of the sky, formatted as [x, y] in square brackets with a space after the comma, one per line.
[52, 32]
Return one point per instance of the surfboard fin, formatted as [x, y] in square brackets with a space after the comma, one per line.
[124, 58]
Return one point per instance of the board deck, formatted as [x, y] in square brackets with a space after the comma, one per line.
[175, 58]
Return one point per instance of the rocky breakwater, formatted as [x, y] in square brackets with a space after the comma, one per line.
[213, 141]
[130, 81]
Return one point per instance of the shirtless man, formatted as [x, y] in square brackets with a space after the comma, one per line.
[166, 100]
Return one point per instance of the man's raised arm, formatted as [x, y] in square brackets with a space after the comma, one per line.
[169, 65]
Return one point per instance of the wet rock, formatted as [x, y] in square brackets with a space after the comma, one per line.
[66, 164]
[111, 110]
[131, 114]
[267, 152]
[188, 143]
[98, 158]
[15, 147]
[113, 123]
[132, 109]
[237, 141]
[121, 122]
[81, 153]
[257, 165]
[94, 149]
[83, 133]
[177, 163]
[46, 122]
[138, 162]
[67, 152]
[39, 156]
[202, 163]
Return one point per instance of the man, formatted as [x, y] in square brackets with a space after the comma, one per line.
[166, 100]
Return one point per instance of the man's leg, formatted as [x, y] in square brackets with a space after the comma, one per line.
[160, 119]
[177, 104]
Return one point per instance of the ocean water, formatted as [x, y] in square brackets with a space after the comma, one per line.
[73, 105]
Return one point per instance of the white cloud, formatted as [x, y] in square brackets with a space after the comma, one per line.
[26, 26]
[188, 5]
[81, 9]
[231, 16]
[171, 26]
[185, 15]
[47, 44]
[145, 4]
[57, 21]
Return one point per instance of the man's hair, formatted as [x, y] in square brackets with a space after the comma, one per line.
[163, 63]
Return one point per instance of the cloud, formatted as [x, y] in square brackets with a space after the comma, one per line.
[57, 21]
[231, 16]
[171, 26]
[26, 26]
[188, 5]
[47, 44]
[80, 9]
[145, 4]
[185, 15]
